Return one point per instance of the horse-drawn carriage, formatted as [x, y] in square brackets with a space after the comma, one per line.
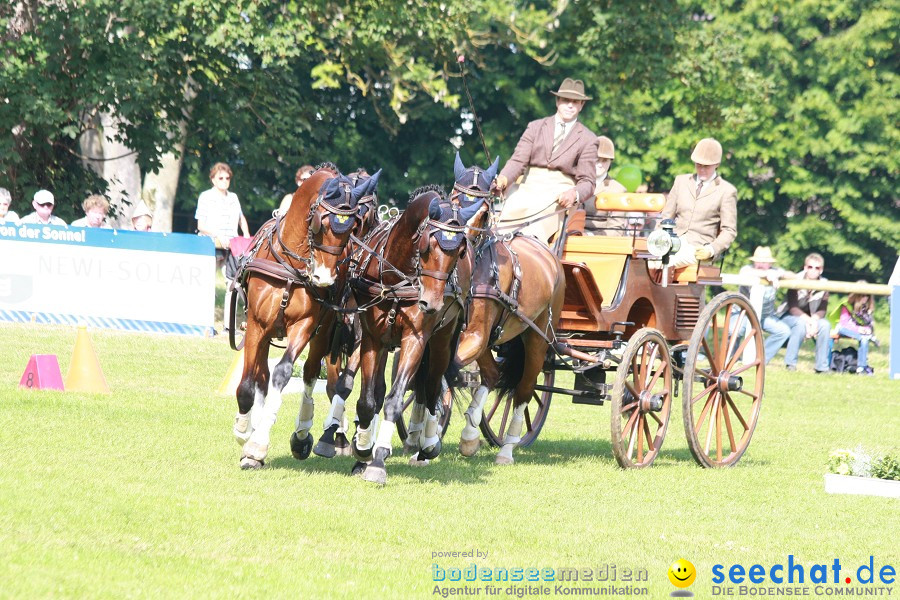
[598, 305]
[638, 334]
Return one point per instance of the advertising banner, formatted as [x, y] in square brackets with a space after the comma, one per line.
[129, 280]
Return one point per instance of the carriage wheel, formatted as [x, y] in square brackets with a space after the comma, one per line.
[497, 414]
[237, 325]
[724, 375]
[444, 408]
[641, 399]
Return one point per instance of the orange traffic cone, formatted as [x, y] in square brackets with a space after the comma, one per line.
[85, 374]
[233, 377]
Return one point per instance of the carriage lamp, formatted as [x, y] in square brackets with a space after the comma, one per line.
[664, 241]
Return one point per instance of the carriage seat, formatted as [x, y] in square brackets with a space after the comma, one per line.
[628, 202]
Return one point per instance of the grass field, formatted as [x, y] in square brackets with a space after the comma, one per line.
[139, 494]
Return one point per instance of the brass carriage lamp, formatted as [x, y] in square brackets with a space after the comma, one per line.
[664, 241]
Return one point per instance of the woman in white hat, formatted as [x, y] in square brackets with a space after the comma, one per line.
[762, 298]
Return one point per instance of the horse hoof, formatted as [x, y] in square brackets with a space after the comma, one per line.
[248, 464]
[429, 454]
[257, 452]
[469, 447]
[341, 444]
[409, 449]
[415, 461]
[324, 449]
[503, 460]
[358, 469]
[300, 449]
[360, 455]
[375, 474]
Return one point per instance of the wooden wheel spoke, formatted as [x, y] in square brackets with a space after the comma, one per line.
[737, 413]
[739, 352]
[733, 337]
[719, 431]
[649, 437]
[713, 415]
[527, 419]
[501, 432]
[630, 429]
[709, 402]
[634, 392]
[713, 367]
[629, 425]
[628, 407]
[662, 368]
[490, 415]
[640, 445]
[746, 393]
[728, 427]
[655, 418]
[705, 391]
[755, 363]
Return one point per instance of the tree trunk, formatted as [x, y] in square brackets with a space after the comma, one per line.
[117, 164]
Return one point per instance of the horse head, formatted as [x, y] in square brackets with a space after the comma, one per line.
[332, 217]
[440, 241]
[368, 202]
[472, 184]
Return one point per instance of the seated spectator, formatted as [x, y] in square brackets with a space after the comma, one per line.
[805, 315]
[141, 218]
[43, 204]
[856, 322]
[601, 223]
[303, 173]
[6, 215]
[762, 298]
[95, 209]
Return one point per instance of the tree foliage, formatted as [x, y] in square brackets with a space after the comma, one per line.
[802, 95]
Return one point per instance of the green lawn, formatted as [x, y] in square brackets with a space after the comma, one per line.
[139, 494]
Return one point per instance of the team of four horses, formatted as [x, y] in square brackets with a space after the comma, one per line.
[436, 283]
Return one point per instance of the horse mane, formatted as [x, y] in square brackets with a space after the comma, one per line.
[328, 166]
[432, 187]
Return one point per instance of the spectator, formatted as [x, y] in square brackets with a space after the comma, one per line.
[95, 209]
[303, 173]
[856, 322]
[6, 215]
[557, 156]
[219, 211]
[141, 218]
[43, 204]
[805, 315]
[704, 207]
[601, 223]
[762, 298]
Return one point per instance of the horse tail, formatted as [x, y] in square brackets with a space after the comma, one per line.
[451, 375]
[512, 367]
[343, 339]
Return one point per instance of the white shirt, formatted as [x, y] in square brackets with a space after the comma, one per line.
[221, 214]
[34, 219]
[10, 217]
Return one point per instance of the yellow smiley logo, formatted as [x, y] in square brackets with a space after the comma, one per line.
[682, 573]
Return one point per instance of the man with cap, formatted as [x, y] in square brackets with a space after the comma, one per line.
[600, 223]
[762, 298]
[43, 204]
[556, 157]
[704, 207]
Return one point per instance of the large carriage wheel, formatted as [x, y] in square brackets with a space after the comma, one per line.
[724, 375]
[497, 415]
[444, 408]
[642, 399]
[237, 324]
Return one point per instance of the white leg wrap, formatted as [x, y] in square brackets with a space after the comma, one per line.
[344, 426]
[259, 402]
[335, 413]
[364, 437]
[431, 436]
[513, 432]
[385, 434]
[416, 425]
[305, 416]
[268, 415]
[241, 429]
[473, 414]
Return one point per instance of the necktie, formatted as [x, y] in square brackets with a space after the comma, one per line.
[560, 134]
[699, 186]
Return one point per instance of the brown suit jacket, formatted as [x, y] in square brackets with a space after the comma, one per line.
[576, 156]
[709, 219]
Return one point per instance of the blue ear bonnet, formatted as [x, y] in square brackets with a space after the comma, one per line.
[474, 181]
[450, 240]
[339, 192]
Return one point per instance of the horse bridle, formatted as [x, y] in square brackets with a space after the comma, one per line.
[314, 220]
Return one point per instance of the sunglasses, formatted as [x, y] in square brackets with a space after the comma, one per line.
[223, 177]
[45, 204]
[813, 267]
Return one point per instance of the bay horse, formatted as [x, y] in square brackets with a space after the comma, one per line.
[407, 270]
[504, 311]
[291, 262]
